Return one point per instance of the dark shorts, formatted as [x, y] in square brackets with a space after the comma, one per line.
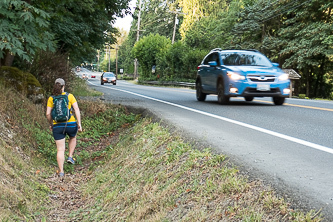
[60, 130]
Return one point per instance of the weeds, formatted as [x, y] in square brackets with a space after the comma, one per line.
[138, 172]
[153, 176]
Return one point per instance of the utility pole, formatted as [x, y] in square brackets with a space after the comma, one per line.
[98, 59]
[109, 51]
[176, 23]
[174, 29]
[137, 39]
[117, 61]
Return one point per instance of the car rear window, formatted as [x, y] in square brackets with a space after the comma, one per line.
[108, 75]
[244, 59]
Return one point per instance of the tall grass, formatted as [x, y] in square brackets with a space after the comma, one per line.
[139, 171]
[151, 175]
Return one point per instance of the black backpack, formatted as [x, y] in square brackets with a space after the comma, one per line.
[60, 111]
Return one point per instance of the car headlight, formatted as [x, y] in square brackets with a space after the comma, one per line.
[235, 76]
[284, 77]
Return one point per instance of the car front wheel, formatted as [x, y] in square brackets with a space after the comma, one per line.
[221, 97]
[200, 95]
[102, 83]
[278, 100]
[248, 98]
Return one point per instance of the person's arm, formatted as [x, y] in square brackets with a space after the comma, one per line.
[49, 117]
[78, 115]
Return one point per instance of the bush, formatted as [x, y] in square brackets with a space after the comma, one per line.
[149, 50]
[48, 66]
[301, 96]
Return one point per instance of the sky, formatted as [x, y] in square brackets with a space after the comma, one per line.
[125, 23]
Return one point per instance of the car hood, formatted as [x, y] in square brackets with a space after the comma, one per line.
[245, 70]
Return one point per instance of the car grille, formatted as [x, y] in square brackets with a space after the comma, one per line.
[253, 90]
[261, 78]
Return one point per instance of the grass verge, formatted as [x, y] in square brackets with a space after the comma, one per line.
[138, 172]
[151, 175]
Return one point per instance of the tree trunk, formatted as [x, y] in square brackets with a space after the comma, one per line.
[321, 82]
[308, 74]
[9, 58]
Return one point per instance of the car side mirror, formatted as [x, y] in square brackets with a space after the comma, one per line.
[212, 63]
[275, 64]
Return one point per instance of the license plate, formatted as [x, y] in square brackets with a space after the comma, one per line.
[263, 87]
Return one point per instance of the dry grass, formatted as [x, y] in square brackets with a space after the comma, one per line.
[144, 173]
[21, 191]
[153, 176]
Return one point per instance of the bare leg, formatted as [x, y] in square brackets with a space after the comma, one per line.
[61, 145]
[71, 146]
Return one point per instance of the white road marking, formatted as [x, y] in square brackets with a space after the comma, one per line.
[292, 139]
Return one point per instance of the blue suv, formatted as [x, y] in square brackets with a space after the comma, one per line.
[246, 73]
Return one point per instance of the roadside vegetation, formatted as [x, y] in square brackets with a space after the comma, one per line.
[128, 168]
[295, 34]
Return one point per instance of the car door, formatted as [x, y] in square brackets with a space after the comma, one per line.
[215, 71]
[203, 72]
[206, 72]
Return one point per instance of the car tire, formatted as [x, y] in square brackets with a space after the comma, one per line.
[102, 83]
[200, 95]
[248, 98]
[114, 84]
[278, 100]
[221, 97]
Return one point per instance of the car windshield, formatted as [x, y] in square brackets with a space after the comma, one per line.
[245, 59]
[108, 75]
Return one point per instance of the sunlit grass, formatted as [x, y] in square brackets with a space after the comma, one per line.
[153, 175]
[145, 174]
[80, 88]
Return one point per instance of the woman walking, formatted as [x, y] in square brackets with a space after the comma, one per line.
[68, 127]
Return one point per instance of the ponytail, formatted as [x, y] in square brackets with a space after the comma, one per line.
[57, 89]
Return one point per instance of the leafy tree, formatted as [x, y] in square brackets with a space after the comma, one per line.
[307, 44]
[150, 51]
[157, 17]
[24, 29]
[77, 27]
[195, 10]
[126, 59]
[180, 62]
[82, 26]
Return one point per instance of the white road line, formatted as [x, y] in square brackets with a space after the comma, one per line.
[292, 139]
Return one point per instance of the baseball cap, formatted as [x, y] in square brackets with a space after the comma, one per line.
[61, 81]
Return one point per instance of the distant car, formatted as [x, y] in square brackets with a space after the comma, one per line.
[108, 77]
[93, 76]
[246, 73]
[84, 76]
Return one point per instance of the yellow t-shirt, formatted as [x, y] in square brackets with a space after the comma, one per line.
[71, 100]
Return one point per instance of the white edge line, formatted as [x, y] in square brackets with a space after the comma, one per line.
[292, 139]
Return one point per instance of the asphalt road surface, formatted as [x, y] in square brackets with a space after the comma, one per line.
[289, 147]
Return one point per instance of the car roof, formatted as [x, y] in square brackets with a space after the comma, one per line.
[234, 50]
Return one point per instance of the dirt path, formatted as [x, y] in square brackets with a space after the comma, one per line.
[66, 196]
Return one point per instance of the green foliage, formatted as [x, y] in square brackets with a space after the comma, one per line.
[149, 51]
[75, 28]
[81, 27]
[157, 17]
[297, 35]
[24, 29]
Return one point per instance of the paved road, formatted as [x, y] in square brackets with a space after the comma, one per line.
[289, 146]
